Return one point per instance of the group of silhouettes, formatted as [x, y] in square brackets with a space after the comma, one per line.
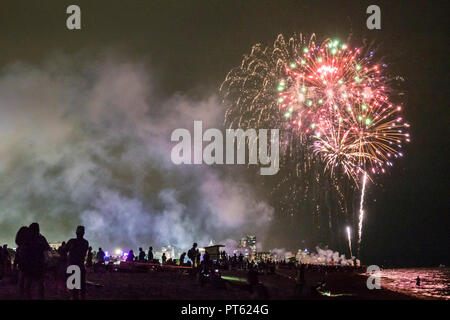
[32, 254]
[31, 261]
[193, 255]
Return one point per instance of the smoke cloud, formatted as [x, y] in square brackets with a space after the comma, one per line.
[320, 257]
[90, 144]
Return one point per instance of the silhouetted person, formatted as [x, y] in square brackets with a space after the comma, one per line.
[182, 258]
[206, 258]
[193, 253]
[77, 249]
[62, 252]
[141, 255]
[150, 255]
[234, 261]
[100, 256]
[61, 267]
[2, 262]
[164, 258]
[22, 236]
[6, 260]
[417, 281]
[130, 257]
[89, 258]
[99, 264]
[34, 250]
[199, 255]
[241, 260]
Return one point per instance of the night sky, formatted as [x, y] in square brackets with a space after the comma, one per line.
[185, 49]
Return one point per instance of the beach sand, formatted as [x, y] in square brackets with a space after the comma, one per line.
[177, 285]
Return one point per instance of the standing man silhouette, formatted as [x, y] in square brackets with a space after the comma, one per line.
[77, 249]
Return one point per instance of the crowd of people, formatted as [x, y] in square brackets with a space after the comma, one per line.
[30, 262]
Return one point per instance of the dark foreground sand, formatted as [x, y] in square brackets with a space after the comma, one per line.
[176, 285]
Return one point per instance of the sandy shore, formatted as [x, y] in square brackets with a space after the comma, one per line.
[182, 286]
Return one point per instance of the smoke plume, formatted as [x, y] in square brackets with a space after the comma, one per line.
[90, 144]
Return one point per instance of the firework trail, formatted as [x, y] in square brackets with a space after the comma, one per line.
[349, 242]
[361, 210]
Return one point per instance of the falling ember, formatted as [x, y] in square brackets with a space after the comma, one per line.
[361, 211]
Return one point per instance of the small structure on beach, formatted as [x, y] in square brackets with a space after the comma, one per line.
[214, 251]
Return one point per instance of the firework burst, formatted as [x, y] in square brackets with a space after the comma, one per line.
[340, 98]
[335, 111]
